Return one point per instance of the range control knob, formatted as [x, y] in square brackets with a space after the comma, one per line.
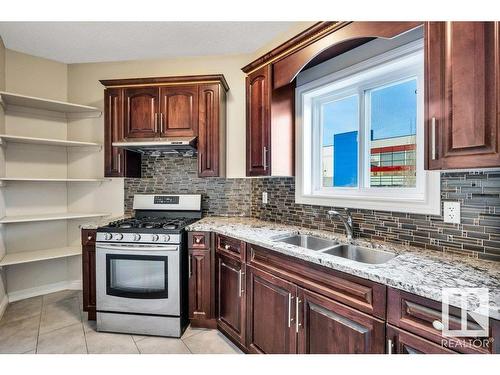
[155, 237]
[166, 238]
[108, 236]
[118, 236]
[137, 237]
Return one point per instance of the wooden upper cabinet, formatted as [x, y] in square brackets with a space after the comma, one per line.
[211, 130]
[141, 112]
[138, 109]
[258, 92]
[328, 327]
[462, 94]
[179, 111]
[113, 111]
[117, 162]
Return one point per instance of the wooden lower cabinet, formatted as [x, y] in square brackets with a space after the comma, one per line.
[328, 327]
[270, 313]
[230, 297]
[401, 342]
[199, 288]
[88, 272]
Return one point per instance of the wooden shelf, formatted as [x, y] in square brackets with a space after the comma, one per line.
[4, 180]
[22, 103]
[38, 255]
[46, 141]
[48, 217]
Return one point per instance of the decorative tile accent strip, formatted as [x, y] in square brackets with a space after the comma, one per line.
[168, 174]
[477, 236]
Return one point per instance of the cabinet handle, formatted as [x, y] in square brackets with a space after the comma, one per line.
[190, 271]
[161, 122]
[239, 283]
[289, 310]
[227, 247]
[197, 240]
[433, 138]
[297, 323]
[264, 157]
[389, 346]
[156, 122]
[119, 162]
[89, 238]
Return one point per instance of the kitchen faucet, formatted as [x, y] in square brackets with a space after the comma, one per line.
[347, 222]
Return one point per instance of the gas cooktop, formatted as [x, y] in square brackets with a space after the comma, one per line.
[148, 225]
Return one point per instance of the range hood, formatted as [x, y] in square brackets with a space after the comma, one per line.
[180, 145]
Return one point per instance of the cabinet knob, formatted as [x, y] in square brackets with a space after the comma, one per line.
[89, 238]
[227, 247]
[438, 325]
[197, 240]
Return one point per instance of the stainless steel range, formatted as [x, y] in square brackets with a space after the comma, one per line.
[141, 267]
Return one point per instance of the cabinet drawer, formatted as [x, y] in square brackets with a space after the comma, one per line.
[199, 240]
[362, 294]
[88, 237]
[230, 245]
[422, 317]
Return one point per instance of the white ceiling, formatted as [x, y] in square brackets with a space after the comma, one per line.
[80, 42]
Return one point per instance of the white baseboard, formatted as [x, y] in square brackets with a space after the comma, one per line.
[44, 289]
[3, 305]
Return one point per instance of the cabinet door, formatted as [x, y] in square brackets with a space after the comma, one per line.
[462, 94]
[179, 111]
[230, 298]
[141, 112]
[88, 273]
[401, 342]
[270, 314]
[258, 89]
[208, 131]
[199, 284]
[328, 327]
[113, 131]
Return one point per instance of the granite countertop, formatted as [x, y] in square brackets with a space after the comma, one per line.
[419, 271]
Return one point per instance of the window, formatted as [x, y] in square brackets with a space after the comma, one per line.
[360, 136]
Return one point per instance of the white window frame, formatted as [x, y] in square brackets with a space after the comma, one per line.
[394, 66]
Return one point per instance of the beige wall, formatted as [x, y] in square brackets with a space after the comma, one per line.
[3, 300]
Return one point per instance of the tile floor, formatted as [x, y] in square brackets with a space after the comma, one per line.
[56, 324]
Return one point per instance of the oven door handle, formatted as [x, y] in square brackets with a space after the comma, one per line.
[137, 247]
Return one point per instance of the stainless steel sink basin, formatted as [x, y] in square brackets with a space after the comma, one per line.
[309, 242]
[360, 254]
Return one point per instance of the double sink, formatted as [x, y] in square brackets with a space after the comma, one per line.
[353, 252]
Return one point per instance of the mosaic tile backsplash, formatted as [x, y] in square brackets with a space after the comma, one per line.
[179, 175]
[478, 235]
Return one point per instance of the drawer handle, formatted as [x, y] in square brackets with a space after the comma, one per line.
[438, 325]
[227, 247]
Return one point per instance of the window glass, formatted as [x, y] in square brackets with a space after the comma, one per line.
[339, 151]
[393, 119]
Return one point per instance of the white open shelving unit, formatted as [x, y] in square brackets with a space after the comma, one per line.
[20, 106]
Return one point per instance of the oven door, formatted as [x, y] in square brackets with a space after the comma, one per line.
[138, 278]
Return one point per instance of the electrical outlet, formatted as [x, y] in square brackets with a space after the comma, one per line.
[451, 212]
[264, 197]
